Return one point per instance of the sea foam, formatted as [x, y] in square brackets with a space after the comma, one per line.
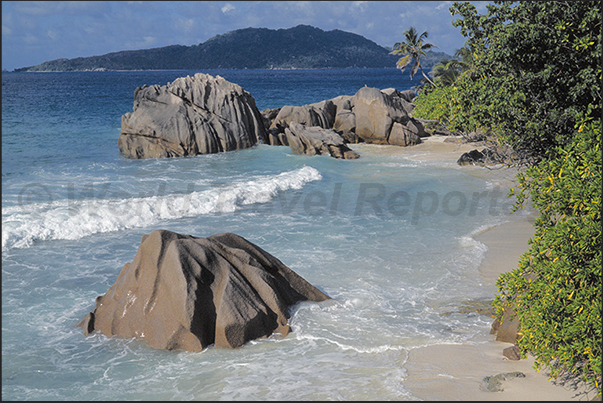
[24, 225]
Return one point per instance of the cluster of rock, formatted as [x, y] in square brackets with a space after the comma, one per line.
[185, 292]
[371, 116]
[507, 328]
[205, 114]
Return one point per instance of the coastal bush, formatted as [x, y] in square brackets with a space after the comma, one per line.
[536, 86]
[455, 106]
[536, 73]
[556, 289]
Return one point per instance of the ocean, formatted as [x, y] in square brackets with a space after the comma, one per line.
[388, 237]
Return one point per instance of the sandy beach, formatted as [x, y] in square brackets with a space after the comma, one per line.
[461, 369]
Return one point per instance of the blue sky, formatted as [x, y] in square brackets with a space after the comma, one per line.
[37, 31]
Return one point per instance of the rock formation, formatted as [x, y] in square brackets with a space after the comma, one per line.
[371, 116]
[186, 292]
[317, 141]
[383, 117]
[507, 329]
[345, 120]
[494, 383]
[476, 157]
[321, 114]
[205, 114]
[192, 115]
[512, 353]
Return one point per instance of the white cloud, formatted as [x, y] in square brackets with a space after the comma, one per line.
[28, 28]
[7, 23]
[35, 7]
[228, 7]
[52, 34]
[302, 4]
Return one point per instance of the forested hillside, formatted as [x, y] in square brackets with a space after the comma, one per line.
[299, 47]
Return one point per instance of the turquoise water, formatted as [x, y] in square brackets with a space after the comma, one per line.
[388, 237]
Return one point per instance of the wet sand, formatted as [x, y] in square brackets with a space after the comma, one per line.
[456, 372]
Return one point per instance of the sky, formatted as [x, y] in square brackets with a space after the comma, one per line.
[37, 31]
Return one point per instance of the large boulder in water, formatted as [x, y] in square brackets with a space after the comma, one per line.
[192, 115]
[186, 292]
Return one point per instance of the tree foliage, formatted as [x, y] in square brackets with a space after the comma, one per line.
[447, 71]
[302, 46]
[537, 73]
[544, 57]
[535, 86]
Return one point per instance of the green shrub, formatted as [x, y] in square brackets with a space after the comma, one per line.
[537, 71]
[559, 311]
[535, 86]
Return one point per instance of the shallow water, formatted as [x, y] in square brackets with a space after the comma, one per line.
[387, 236]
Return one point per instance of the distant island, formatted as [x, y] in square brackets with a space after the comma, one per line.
[300, 47]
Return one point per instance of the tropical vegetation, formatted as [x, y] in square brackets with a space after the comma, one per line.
[412, 49]
[530, 80]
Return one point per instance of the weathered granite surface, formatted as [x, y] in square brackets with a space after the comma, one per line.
[317, 141]
[383, 117]
[371, 116]
[186, 292]
[205, 114]
[192, 115]
[321, 114]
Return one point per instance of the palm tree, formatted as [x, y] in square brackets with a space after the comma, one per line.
[465, 56]
[411, 50]
[466, 61]
[445, 72]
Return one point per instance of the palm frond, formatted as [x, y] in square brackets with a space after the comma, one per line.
[411, 36]
[404, 61]
[464, 54]
[400, 49]
[457, 65]
[412, 49]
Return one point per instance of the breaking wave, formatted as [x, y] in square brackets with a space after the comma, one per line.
[22, 226]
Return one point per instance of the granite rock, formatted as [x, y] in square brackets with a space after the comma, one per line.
[317, 141]
[185, 292]
[190, 116]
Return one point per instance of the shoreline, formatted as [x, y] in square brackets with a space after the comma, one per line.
[102, 69]
[456, 371]
[461, 368]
